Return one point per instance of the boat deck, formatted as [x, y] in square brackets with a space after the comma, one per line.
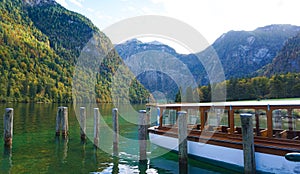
[275, 146]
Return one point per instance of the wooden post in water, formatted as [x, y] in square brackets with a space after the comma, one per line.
[8, 126]
[143, 135]
[248, 144]
[62, 121]
[58, 122]
[116, 131]
[182, 142]
[148, 116]
[96, 126]
[82, 124]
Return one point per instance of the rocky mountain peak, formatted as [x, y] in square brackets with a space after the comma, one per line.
[38, 2]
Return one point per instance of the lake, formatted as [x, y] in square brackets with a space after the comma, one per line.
[36, 149]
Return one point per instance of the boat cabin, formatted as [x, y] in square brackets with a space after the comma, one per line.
[272, 119]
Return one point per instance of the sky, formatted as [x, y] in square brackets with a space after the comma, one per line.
[211, 18]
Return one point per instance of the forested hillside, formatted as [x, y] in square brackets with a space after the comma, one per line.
[287, 60]
[39, 44]
[256, 88]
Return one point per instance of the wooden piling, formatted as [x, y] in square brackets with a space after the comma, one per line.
[143, 135]
[96, 126]
[82, 124]
[116, 131]
[248, 144]
[182, 142]
[62, 121]
[148, 116]
[158, 116]
[8, 126]
[65, 122]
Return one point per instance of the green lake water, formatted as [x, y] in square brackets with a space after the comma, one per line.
[36, 149]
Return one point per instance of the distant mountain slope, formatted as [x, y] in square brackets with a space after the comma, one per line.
[158, 79]
[240, 52]
[244, 52]
[287, 60]
[40, 43]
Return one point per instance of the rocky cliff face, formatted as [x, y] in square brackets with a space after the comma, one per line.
[38, 2]
[287, 60]
[244, 52]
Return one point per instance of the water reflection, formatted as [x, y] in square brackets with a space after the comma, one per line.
[115, 168]
[7, 163]
[143, 166]
[61, 147]
[35, 150]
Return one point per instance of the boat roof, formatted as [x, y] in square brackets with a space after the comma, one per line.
[246, 104]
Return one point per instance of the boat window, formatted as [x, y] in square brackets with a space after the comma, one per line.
[237, 119]
[193, 119]
[215, 118]
[260, 123]
[169, 117]
[286, 124]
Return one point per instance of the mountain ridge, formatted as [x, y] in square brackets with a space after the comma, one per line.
[40, 43]
[240, 52]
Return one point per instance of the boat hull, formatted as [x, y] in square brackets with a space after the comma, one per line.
[219, 155]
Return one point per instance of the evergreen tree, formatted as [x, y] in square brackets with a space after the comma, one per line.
[178, 96]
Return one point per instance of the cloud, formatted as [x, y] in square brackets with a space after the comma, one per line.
[62, 2]
[77, 2]
[91, 10]
[212, 18]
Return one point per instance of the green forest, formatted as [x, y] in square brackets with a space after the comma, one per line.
[39, 47]
[255, 88]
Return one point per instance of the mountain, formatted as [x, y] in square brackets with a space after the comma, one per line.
[287, 60]
[41, 43]
[163, 70]
[240, 52]
[244, 52]
[135, 46]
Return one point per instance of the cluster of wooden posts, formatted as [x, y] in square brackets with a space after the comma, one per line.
[144, 116]
[62, 128]
[144, 122]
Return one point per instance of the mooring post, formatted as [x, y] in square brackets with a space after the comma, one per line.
[62, 121]
[143, 135]
[182, 142]
[116, 131]
[82, 124]
[158, 116]
[8, 126]
[96, 126]
[58, 122]
[248, 144]
[148, 116]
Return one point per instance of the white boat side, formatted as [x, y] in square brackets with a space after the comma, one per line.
[264, 162]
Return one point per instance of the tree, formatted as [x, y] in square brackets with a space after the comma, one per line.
[189, 95]
[178, 95]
